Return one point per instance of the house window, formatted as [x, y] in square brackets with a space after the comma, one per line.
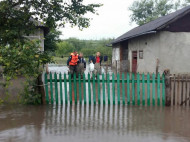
[141, 54]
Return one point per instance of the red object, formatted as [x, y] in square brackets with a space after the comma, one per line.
[74, 60]
[97, 59]
[134, 61]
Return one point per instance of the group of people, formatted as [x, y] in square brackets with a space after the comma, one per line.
[77, 63]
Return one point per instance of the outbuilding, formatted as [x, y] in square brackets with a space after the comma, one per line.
[155, 46]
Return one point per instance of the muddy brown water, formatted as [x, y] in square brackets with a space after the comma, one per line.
[23, 123]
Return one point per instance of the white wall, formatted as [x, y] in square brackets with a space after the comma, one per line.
[38, 34]
[116, 56]
[171, 49]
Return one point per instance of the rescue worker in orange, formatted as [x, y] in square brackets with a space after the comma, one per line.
[72, 63]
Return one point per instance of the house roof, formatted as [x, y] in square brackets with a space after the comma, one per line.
[153, 26]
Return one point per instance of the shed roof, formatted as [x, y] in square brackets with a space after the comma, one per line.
[153, 26]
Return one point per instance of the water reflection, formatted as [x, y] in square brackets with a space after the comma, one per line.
[95, 122]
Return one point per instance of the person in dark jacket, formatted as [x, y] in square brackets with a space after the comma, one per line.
[81, 65]
[97, 60]
[72, 63]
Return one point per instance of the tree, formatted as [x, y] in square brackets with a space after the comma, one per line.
[51, 39]
[19, 17]
[144, 11]
[64, 48]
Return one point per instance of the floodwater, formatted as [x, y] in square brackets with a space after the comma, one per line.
[64, 69]
[49, 123]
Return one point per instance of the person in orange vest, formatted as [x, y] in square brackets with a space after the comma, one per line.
[72, 63]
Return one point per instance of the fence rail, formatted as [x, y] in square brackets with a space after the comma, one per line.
[127, 88]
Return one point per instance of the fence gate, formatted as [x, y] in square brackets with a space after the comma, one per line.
[180, 90]
[130, 88]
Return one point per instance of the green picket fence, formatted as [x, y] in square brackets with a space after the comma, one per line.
[130, 88]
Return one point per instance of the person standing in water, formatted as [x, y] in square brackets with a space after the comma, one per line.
[72, 63]
[81, 65]
[97, 63]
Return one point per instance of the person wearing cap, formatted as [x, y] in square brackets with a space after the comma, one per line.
[72, 63]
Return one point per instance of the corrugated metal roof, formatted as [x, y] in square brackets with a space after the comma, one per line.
[153, 25]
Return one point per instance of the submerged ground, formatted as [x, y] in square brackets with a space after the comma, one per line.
[93, 123]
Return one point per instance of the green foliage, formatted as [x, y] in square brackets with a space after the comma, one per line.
[21, 17]
[64, 48]
[29, 94]
[88, 51]
[1, 101]
[87, 47]
[51, 39]
[23, 60]
[144, 11]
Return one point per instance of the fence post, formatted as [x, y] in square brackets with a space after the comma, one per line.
[46, 89]
[167, 87]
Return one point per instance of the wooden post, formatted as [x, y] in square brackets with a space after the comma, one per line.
[41, 89]
[167, 87]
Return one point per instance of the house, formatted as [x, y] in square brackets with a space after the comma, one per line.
[39, 33]
[155, 46]
[12, 93]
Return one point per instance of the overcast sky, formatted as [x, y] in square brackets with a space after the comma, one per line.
[113, 20]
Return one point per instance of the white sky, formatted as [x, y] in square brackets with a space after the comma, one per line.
[113, 20]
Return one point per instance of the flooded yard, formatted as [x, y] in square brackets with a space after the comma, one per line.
[93, 123]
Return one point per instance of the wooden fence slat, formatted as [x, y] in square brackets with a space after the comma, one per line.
[80, 94]
[178, 90]
[138, 89]
[143, 90]
[70, 89]
[61, 90]
[99, 98]
[186, 90]
[65, 87]
[118, 89]
[51, 88]
[123, 88]
[84, 88]
[158, 89]
[174, 93]
[128, 90]
[94, 89]
[153, 89]
[182, 82]
[56, 89]
[46, 89]
[133, 88]
[189, 92]
[75, 88]
[163, 90]
[148, 89]
[103, 86]
[89, 89]
[113, 88]
[108, 88]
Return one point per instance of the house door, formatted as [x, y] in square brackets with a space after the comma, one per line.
[134, 61]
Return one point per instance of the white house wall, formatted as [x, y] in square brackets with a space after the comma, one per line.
[38, 34]
[171, 49]
[116, 56]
